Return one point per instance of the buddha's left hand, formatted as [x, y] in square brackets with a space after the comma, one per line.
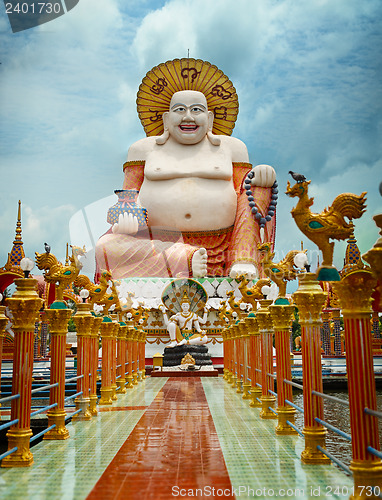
[264, 176]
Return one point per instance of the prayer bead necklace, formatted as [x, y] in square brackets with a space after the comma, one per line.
[251, 201]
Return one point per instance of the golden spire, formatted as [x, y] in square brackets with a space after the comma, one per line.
[352, 261]
[17, 252]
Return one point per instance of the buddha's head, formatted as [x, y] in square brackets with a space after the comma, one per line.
[188, 120]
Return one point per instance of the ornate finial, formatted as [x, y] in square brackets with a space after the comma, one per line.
[17, 252]
[18, 224]
[67, 255]
[353, 261]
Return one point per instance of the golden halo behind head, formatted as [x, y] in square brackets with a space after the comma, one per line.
[160, 83]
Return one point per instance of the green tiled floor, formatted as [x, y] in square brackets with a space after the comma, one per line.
[69, 469]
[258, 461]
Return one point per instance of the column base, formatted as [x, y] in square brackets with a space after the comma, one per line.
[366, 475]
[23, 456]
[105, 396]
[114, 392]
[60, 432]
[129, 380]
[121, 386]
[266, 402]
[82, 404]
[239, 388]
[246, 389]
[93, 405]
[135, 378]
[255, 393]
[313, 438]
[143, 374]
[285, 413]
[233, 381]
[229, 377]
[225, 373]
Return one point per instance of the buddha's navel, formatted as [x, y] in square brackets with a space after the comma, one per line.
[187, 216]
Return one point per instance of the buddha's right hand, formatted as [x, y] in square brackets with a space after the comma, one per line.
[127, 224]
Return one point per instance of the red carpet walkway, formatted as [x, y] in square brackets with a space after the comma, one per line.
[174, 446]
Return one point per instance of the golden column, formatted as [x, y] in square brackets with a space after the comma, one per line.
[24, 305]
[121, 357]
[354, 293]
[114, 358]
[94, 348]
[107, 329]
[309, 299]
[130, 334]
[228, 353]
[267, 382]
[58, 316]
[83, 320]
[240, 358]
[281, 317]
[235, 352]
[246, 359]
[135, 355]
[254, 359]
[142, 355]
[3, 324]
[225, 353]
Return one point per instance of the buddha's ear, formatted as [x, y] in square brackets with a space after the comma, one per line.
[165, 119]
[210, 120]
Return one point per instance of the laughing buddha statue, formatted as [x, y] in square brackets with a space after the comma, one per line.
[191, 204]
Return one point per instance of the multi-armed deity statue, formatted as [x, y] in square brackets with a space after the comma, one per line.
[191, 204]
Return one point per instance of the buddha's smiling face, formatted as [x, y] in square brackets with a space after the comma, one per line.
[188, 119]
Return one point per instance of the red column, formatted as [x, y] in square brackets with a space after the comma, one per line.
[354, 292]
[107, 328]
[3, 324]
[309, 299]
[58, 316]
[267, 383]
[281, 317]
[84, 323]
[254, 359]
[94, 348]
[130, 334]
[121, 357]
[24, 305]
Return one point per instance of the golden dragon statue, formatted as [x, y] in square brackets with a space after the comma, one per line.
[235, 306]
[330, 223]
[96, 292]
[57, 273]
[110, 299]
[250, 295]
[279, 272]
[224, 314]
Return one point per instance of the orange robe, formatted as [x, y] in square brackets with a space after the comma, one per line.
[167, 253]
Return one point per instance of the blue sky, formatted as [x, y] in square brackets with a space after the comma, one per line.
[308, 77]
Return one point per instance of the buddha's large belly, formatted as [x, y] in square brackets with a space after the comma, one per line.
[189, 204]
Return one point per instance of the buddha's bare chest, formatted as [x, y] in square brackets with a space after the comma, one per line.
[203, 164]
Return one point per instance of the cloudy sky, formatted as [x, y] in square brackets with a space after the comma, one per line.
[308, 77]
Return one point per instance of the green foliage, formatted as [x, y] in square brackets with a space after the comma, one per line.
[71, 325]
